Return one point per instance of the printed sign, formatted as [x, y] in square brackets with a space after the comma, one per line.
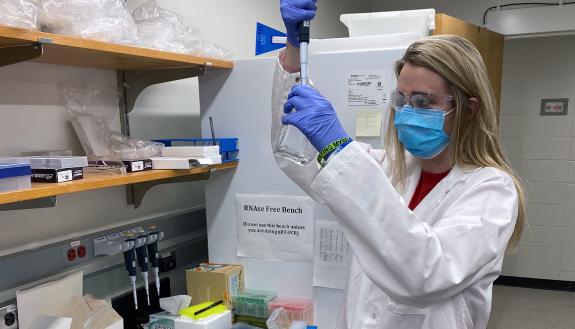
[275, 227]
[332, 256]
[554, 106]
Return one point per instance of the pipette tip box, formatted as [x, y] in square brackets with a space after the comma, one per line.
[14, 176]
[298, 309]
[57, 175]
[58, 162]
[57, 169]
[253, 303]
[184, 162]
[228, 146]
[191, 151]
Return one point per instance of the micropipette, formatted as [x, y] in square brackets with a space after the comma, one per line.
[154, 258]
[290, 142]
[130, 262]
[303, 35]
[142, 252]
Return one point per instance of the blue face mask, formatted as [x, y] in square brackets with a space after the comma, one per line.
[421, 131]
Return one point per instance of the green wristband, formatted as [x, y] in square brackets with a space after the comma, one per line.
[321, 157]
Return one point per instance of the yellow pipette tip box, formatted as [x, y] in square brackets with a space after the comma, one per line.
[204, 310]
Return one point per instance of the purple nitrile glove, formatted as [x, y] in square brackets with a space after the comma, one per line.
[293, 13]
[314, 116]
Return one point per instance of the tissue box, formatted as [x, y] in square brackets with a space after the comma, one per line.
[165, 320]
[213, 282]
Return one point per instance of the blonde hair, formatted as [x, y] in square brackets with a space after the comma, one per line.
[475, 136]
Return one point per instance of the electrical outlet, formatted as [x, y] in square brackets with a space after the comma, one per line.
[76, 252]
[9, 317]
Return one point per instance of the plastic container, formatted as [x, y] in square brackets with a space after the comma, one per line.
[13, 160]
[58, 162]
[253, 302]
[298, 309]
[15, 177]
[250, 320]
[241, 325]
[228, 146]
[419, 21]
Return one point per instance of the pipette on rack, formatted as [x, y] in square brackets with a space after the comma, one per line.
[130, 262]
[153, 239]
[142, 253]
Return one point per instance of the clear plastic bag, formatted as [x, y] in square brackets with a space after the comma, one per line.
[104, 20]
[165, 30]
[89, 312]
[93, 111]
[19, 13]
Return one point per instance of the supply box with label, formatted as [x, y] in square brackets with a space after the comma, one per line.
[298, 309]
[57, 169]
[253, 303]
[215, 282]
[15, 174]
[137, 165]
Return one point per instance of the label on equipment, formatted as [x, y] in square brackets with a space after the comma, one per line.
[366, 89]
[75, 244]
[113, 236]
[137, 165]
[65, 176]
[101, 239]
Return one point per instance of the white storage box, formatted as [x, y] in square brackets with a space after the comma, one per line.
[184, 163]
[15, 177]
[191, 151]
[419, 21]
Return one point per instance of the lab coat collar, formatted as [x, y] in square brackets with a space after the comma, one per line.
[457, 175]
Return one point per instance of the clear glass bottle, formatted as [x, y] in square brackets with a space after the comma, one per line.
[292, 143]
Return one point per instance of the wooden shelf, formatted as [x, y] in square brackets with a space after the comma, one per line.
[93, 181]
[65, 50]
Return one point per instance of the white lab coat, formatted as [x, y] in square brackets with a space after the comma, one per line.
[430, 268]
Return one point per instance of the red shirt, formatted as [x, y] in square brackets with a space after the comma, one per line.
[427, 182]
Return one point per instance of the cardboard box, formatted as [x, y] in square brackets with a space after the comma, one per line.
[213, 282]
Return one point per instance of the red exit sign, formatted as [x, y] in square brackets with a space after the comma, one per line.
[554, 106]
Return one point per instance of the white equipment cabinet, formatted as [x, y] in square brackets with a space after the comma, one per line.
[239, 103]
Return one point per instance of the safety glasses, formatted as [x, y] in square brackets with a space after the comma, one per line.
[419, 100]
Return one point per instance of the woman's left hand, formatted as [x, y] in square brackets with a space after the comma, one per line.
[314, 116]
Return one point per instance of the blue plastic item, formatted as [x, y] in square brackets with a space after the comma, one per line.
[14, 170]
[228, 146]
[264, 39]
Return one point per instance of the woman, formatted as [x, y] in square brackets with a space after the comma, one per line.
[430, 218]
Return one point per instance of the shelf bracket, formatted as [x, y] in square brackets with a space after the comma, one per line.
[139, 190]
[21, 53]
[133, 82]
[48, 202]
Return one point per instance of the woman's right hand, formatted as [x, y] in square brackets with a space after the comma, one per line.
[293, 13]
